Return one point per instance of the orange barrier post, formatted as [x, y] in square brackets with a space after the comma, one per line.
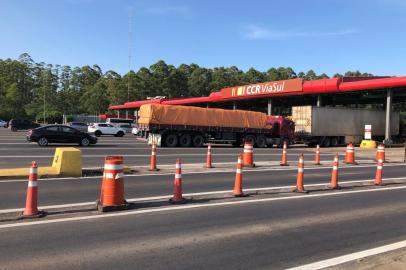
[31, 204]
[248, 157]
[177, 193]
[112, 192]
[208, 159]
[334, 174]
[350, 154]
[237, 192]
[317, 157]
[284, 161]
[378, 175]
[380, 152]
[152, 165]
[300, 175]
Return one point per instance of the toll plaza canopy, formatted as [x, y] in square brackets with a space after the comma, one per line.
[292, 87]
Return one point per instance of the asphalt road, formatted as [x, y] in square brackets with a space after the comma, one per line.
[257, 235]
[51, 192]
[15, 151]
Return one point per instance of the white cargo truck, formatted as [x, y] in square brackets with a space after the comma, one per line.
[333, 126]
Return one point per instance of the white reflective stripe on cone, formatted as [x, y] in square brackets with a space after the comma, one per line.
[178, 175]
[33, 170]
[380, 160]
[300, 170]
[32, 183]
[113, 166]
[335, 168]
[119, 175]
[248, 151]
[284, 151]
[248, 146]
[301, 161]
[380, 167]
[177, 166]
[350, 151]
[238, 171]
[108, 175]
[153, 154]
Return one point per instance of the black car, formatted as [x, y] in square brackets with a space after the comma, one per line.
[60, 134]
[22, 124]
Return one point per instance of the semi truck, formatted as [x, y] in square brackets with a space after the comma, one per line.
[186, 126]
[332, 126]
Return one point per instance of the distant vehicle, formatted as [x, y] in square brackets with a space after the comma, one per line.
[59, 134]
[134, 131]
[3, 123]
[127, 127]
[22, 124]
[105, 129]
[117, 121]
[79, 126]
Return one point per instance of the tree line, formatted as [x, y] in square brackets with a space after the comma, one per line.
[26, 86]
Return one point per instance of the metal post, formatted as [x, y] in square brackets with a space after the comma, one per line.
[126, 114]
[319, 101]
[404, 156]
[234, 105]
[388, 116]
[118, 113]
[207, 105]
[269, 106]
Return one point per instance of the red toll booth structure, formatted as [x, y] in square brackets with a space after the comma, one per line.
[382, 92]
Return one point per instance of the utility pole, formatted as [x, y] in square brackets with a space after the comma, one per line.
[44, 106]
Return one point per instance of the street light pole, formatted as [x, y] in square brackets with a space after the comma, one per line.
[44, 106]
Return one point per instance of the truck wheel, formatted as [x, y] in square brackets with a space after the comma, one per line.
[249, 138]
[261, 141]
[171, 140]
[198, 141]
[185, 140]
[326, 142]
[334, 142]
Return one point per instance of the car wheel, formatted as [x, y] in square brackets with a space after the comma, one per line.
[43, 141]
[171, 140]
[85, 142]
[120, 134]
[198, 141]
[97, 133]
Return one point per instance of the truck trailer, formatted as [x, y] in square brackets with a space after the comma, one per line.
[185, 126]
[332, 126]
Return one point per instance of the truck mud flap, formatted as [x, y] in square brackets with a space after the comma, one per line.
[154, 138]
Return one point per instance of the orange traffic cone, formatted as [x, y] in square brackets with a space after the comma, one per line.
[112, 191]
[152, 165]
[378, 175]
[300, 175]
[334, 174]
[31, 205]
[284, 161]
[248, 157]
[350, 155]
[237, 192]
[380, 152]
[208, 159]
[177, 193]
[317, 157]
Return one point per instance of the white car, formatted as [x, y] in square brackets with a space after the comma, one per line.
[3, 123]
[105, 129]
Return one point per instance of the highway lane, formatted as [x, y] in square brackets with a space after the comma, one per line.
[16, 152]
[12, 193]
[258, 235]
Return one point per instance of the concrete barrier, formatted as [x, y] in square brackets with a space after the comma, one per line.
[67, 162]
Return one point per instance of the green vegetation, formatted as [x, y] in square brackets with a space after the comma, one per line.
[25, 85]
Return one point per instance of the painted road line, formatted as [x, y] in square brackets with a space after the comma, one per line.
[194, 206]
[217, 192]
[225, 170]
[351, 257]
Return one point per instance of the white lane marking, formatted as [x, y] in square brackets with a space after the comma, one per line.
[195, 206]
[351, 257]
[147, 155]
[225, 170]
[154, 198]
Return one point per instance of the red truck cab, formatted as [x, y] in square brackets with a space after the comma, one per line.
[283, 128]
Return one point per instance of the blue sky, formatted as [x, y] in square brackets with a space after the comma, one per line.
[325, 35]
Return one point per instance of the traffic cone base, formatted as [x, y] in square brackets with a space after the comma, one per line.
[112, 208]
[300, 191]
[181, 201]
[39, 214]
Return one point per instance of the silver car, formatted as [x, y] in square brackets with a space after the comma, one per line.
[79, 126]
